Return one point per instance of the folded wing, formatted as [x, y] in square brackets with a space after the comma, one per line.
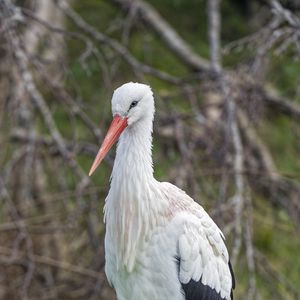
[204, 267]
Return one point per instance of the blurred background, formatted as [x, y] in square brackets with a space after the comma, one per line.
[225, 76]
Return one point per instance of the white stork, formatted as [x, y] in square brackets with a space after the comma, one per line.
[159, 244]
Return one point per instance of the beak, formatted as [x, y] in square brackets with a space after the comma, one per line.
[117, 126]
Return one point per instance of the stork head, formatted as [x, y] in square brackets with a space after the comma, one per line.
[131, 104]
[133, 101]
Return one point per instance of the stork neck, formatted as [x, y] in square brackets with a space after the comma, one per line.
[130, 211]
[134, 153]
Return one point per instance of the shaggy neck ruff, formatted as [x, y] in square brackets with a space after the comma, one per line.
[133, 206]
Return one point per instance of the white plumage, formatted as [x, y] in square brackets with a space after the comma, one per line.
[159, 243]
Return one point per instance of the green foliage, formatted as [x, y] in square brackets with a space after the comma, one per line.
[284, 74]
[281, 136]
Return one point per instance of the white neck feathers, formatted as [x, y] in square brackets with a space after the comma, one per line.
[132, 205]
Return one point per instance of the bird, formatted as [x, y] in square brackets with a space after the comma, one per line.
[159, 243]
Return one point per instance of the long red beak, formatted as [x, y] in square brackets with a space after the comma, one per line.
[117, 126]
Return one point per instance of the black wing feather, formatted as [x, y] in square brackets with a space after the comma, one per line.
[196, 290]
[233, 280]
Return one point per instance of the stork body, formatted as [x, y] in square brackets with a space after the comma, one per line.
[159, 243]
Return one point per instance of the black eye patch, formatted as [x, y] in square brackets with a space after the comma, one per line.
[133, 104]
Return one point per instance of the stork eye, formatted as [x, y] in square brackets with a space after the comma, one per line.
[133, 104]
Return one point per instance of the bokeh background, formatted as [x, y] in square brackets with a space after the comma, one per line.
[225, 76]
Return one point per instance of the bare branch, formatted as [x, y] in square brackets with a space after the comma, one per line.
[214, 34]
[169, 36]
[48, 261]
[116, 46]
[233, 131]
